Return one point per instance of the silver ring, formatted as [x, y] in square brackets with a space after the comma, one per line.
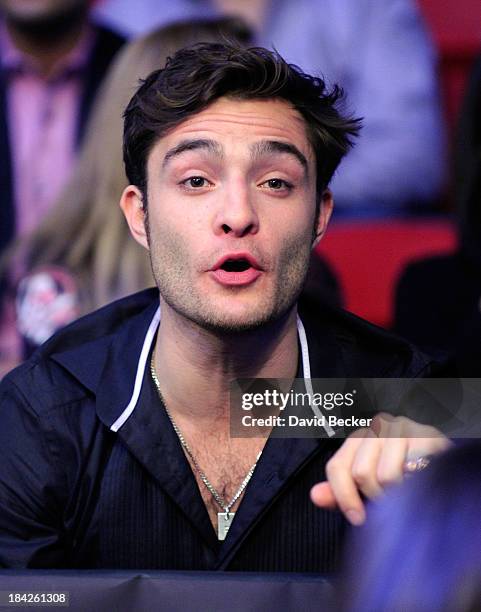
[416, 464]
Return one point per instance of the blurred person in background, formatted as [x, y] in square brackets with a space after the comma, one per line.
[420, 549]
[81, 256]
[438, 299]
[52, 60]
[379, 51]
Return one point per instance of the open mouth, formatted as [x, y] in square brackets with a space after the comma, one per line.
[236, 265]
[236, 270]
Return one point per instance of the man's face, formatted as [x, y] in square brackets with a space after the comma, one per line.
[32, 11]
[231, 213]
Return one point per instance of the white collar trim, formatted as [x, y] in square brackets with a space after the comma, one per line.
[144, 353]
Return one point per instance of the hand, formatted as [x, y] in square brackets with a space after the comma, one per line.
[371, 459]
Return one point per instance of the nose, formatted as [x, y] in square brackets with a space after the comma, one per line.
[237, 214]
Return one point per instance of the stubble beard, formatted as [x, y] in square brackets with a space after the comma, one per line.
[171, 270]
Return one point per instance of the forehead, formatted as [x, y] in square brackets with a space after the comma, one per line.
[230, 120]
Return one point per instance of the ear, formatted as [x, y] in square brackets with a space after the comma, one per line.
[132, 205]
[325, 211]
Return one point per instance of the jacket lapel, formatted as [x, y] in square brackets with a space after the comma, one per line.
[150, 437]
[283, 457]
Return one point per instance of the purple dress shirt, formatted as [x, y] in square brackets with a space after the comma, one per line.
[42, 118]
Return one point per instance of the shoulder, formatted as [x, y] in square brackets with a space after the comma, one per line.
[439, 266]
[359, 348]
[104, 322]
[67, 368]
[436, 279]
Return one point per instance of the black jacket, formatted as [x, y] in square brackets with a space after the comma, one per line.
[93, 476]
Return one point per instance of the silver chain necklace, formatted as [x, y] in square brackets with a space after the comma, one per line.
[225, 518]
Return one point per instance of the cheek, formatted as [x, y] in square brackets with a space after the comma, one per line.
[181, 213]
[293, 229]
[166, 240]
[295, 250]
[174, 246]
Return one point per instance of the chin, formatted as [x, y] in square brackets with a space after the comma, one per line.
[223, 315]
[235, 326]
[231, 323]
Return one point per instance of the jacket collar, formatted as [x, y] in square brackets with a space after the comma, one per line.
[103, 350]
[113, 367]
[111, 360]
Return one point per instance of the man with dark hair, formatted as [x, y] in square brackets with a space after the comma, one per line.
[115, 435]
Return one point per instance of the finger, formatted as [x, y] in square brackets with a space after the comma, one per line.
[323, 496]
[365, 464]
[341, 481]
[390, 468]
[423, 447]
[382, 422]
[393, 454]
[413, 430]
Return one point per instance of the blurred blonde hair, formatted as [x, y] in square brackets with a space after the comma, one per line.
[85, 231]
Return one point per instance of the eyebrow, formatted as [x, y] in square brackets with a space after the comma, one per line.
[264, 147]
[192, 145]
[267, 147]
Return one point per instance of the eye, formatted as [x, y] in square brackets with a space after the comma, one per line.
[277, 184]
[196, 182]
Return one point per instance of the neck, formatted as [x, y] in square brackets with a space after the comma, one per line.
[47, 43]
[196, 366]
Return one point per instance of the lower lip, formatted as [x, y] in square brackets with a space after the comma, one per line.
[236, 279]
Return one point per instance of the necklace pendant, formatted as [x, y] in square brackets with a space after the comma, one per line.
[224, 521]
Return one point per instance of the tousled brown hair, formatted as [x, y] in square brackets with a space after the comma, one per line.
[198, 75]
